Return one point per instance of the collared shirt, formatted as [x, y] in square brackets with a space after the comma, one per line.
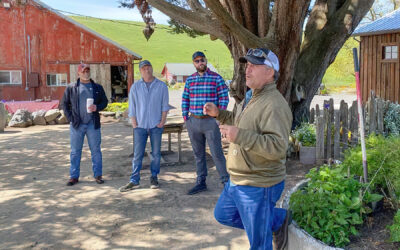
[199, 90]
[147, 104]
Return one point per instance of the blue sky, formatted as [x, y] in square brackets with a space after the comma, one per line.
[107, 9]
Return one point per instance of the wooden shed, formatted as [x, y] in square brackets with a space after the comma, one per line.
[40, 49]
[379, 57]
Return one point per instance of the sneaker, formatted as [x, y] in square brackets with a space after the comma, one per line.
[154, 183]
[128, 187]
[72, 182]
[280, 237]
[200, 187]
[99, 180]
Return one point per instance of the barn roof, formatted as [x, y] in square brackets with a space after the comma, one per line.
[135, 55]
[184, 69]
[390, 23]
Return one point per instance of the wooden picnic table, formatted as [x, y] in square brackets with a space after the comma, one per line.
[174, 124]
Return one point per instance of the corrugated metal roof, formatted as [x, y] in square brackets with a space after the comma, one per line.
[185, 69]
[137, 56]
[389, 23]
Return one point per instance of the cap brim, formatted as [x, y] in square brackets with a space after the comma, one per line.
[254, 60]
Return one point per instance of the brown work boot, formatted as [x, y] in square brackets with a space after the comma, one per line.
[280, 237]
[99, 179]
[72, 182]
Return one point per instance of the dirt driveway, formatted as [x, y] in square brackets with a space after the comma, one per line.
[38, 211]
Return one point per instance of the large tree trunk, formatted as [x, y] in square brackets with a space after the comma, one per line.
[244, 24]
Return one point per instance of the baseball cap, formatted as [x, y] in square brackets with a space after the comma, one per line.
[261, 56]
[144, 63]
[82, 67]
[197, 54]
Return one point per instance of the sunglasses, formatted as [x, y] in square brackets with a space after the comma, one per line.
[258, 53]
[199, 60]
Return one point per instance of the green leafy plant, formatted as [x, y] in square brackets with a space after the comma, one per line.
[392, 119]
[383, 157]
[305, 134]
[395, 228]
[117, 107]
[331, 205]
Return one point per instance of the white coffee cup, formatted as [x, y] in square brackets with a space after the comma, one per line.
[89, 102]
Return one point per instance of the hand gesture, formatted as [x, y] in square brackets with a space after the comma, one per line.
[210, 109]
[229, 132]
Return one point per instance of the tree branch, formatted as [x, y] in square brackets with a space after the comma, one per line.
[202, 22]
[263, 17]
[248, 39]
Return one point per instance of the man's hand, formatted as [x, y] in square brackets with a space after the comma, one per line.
[210, 109]
[229, 132]
[92, 108]
[134, 123]
[161, 124]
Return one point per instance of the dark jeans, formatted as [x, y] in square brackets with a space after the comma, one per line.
[199, 131]
[252, 209]
[141, 136]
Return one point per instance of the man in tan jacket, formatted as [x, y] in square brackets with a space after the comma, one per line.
[258, 132]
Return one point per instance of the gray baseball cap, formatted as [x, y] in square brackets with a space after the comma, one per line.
[144, 63]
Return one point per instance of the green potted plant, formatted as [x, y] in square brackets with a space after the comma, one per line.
[305, 137]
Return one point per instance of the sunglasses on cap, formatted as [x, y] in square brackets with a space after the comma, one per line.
[199, 60]
[258, 53]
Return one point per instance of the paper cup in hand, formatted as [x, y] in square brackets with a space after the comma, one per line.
[89, 102]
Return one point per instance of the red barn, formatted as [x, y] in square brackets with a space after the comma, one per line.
[40, 49]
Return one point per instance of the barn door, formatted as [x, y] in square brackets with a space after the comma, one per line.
[100, 73]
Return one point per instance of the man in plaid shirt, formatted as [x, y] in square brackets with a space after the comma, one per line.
[202, 87]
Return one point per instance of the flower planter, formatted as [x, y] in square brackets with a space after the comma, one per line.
[307, 155]
[298, 239]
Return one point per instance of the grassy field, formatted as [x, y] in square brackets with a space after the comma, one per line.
[165, 47]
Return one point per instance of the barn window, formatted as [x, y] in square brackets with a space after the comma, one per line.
[56, 79]
[10, 77]
[390, 52]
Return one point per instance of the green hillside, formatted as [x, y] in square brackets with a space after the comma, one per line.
[177, 48]
[163, 46]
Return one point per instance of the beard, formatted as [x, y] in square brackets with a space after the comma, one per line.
[201, 68]
[85, 76]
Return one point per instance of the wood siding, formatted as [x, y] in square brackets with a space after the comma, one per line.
[381, 76]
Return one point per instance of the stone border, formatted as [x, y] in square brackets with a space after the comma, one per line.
[298, 239]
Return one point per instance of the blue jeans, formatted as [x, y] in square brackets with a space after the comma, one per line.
[199, 131]
[141, 136]
[252, 209]
[94, 140]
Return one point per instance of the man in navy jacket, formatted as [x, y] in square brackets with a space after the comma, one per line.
[84, 120]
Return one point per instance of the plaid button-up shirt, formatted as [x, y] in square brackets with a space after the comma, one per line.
[199, 90]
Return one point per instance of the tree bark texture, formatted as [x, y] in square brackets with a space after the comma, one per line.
[304, 55]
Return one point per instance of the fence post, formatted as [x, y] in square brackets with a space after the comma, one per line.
[320, 140]
[317, 112]
[312, 116]
[379, 115]
[336, 140]
[354, 123]
[344, 116]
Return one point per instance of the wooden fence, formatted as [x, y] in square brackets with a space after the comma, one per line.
[336, 130]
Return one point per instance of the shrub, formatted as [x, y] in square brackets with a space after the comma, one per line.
[392, 119]
[383, 158]
[305, 133]
[395, 228]
[331, 205]
[117, 107]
